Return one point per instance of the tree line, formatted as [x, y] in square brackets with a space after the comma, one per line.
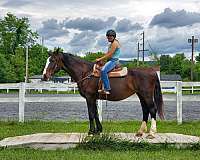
[16, 35]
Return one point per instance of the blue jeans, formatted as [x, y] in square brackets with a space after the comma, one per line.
[104, 72]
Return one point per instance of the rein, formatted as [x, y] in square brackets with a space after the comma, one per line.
[88, 76]
[84, 78]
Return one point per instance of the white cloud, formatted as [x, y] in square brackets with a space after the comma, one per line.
[171, 19]
[81, 25]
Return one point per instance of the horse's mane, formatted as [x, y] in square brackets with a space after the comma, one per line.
[79, 60]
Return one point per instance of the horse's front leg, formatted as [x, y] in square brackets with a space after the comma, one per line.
[91, 113]
[98, 123]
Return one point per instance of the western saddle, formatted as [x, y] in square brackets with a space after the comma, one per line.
[118, 71]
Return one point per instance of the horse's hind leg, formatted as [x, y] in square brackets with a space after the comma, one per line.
[153, 130]
[145, 111]
[150, 106]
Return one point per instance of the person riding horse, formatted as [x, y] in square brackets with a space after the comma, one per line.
[113, 58]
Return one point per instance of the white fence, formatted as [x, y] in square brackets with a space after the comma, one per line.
[177, 85]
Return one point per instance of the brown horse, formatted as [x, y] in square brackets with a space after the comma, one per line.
[143, 82]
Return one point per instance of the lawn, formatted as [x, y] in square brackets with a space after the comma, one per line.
[14, 128]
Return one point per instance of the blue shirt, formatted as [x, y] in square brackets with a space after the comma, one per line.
[116, 54]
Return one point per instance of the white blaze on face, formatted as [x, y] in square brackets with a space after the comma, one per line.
[47, 63]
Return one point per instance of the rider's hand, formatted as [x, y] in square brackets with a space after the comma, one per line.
[98, 59]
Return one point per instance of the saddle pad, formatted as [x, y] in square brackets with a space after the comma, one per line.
[120, 73]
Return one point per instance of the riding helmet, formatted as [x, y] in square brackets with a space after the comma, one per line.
[111, 32]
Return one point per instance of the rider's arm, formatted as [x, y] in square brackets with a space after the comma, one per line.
[110, 52]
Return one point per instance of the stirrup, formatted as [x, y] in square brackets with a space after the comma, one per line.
[103, 91]
[100, 90]
[107, 92]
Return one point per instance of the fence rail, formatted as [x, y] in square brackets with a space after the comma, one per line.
[22, 99]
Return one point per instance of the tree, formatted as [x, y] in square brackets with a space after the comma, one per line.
[15, 35]
[15, 32]
[37, 59]
[197, 58]
[197, 71]
[7, 73]
[132, 64]
[186, 69]
[18, 63]
[177, 64]
[92, 56]
[165, 61]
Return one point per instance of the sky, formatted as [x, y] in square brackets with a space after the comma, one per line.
[79, 26]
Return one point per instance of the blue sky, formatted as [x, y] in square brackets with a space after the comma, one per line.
[79, 26]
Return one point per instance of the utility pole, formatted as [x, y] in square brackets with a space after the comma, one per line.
[26, 78]
[42, 43]
[193, 41]
[138, 52]
[143, 49]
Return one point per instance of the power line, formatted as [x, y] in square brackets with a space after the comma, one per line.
[150, 46]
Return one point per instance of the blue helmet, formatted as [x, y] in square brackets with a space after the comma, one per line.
[111, 32]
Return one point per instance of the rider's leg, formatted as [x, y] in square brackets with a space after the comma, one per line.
[104, 74]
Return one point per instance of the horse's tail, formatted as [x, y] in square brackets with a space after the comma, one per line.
[158, 98]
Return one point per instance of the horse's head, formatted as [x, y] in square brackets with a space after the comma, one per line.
[54, 64]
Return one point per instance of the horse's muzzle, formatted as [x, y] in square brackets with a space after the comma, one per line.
[44, 78]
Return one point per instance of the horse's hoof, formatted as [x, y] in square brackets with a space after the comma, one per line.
[91, 133]
[139, 134]
[150, 136]
[97, 133]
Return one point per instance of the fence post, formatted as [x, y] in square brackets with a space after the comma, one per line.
[99, 106]
[74, 89]
[179, 101]
[22, 89]
[192, 90]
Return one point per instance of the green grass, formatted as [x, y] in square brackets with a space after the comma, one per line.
[79, 154]
[10, 128]
[13, 128]
[111, 142]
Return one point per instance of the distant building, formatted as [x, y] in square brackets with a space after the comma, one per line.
[35, 78]
[170, 77]
[63, 79]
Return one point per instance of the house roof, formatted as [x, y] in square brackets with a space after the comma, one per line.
[170, 77]
[35, 77]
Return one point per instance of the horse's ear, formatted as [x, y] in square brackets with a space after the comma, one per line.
[50, 53]
[58, 49]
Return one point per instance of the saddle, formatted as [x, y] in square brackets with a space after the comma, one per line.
[118, 71]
